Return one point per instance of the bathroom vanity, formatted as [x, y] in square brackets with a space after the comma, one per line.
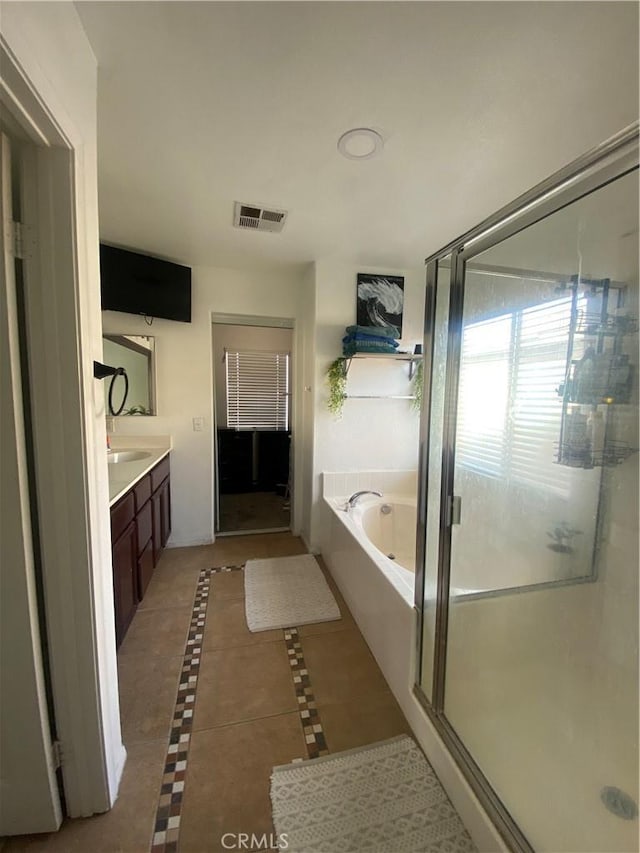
[140, 493]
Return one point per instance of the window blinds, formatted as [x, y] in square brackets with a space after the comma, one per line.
[509, 409]
[257, 390]
[483, 395]
[539, 367]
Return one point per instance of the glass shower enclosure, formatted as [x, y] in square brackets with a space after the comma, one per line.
[527, 584]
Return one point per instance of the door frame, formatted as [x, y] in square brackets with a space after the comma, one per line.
[70, 475]
[270, 323]
[30, 801]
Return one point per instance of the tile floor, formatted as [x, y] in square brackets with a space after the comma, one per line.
[248, 713]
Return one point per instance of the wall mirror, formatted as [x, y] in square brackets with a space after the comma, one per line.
[136, 353]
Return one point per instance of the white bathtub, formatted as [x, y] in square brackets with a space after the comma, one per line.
[386, 537]
[389, 525]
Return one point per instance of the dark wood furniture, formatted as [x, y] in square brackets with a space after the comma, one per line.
[252, 460]
[140, 528]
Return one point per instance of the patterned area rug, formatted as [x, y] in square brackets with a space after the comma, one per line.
[382, 798]
[287, 591]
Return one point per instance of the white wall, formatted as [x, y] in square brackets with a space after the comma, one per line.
[372, 434]
[51, 49]
[184, 381]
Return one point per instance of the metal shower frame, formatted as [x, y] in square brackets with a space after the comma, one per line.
[612, 159]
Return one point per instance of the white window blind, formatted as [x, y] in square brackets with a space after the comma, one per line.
[257, 390]
[509, 409]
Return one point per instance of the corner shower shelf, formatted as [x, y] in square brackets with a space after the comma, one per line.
[608, 382]
[613, 453]
[595, 324]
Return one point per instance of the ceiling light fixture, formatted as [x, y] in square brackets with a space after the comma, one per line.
[361, 143]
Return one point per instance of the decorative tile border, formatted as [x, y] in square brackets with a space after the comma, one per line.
[167, 823]
[309, 716]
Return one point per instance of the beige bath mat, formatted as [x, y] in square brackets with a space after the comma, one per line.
[285, 592]
[382, 798]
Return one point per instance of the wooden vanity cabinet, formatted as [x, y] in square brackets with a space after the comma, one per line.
[161, 501]
[144, 524]
[140, 527]
[124, 550]
[124, 581]
[161, 507]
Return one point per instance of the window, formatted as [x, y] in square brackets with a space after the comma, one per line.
[509, 409]
[483, 394]
[257, 390]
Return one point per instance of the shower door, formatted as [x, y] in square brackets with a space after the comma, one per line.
[530, 632]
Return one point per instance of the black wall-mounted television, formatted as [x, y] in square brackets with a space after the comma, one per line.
[139, 284]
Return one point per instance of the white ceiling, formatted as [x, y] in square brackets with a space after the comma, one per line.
[201, 104]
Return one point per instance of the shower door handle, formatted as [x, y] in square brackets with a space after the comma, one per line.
[455, 509]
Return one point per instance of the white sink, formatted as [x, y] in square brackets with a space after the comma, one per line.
[126, 456]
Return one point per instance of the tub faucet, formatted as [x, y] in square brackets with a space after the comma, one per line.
[355, 497]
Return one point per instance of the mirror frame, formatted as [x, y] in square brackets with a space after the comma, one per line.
[125, 339]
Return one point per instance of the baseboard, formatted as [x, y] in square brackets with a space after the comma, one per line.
[172, 543]
[310, 548]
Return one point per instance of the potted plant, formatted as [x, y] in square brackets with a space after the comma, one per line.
[417, 385]
[337, 381]
[137, 410]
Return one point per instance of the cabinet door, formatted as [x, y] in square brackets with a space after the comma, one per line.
[165, 511]
[273, 459]
[161, 516]
[235, 458]
[125, 558]
[145, 569]
[156, 517]
[144, 526]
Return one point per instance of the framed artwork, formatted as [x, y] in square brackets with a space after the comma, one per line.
[380, 300]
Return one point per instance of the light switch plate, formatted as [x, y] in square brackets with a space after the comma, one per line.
[198, 424]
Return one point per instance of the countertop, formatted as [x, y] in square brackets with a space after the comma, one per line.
[123, 475]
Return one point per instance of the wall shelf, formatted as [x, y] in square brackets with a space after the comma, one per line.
[412, 358]
[379, 397]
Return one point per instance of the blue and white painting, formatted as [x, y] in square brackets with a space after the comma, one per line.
[380, 300]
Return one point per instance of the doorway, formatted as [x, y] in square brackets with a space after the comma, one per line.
[32, 799]
[252, 416]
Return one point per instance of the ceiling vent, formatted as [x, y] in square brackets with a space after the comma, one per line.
[258, 218]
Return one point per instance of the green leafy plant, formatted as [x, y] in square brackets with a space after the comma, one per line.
[417, 384]
[137, 410]
[337, 380]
